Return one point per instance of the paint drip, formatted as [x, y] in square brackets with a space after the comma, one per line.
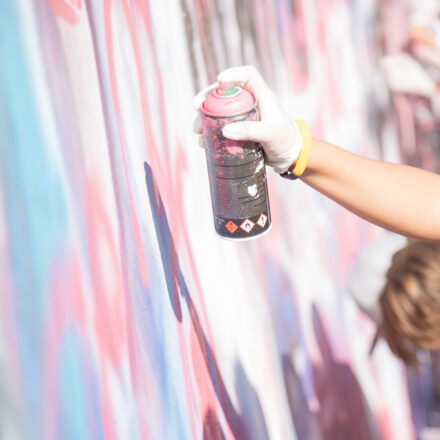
[236, 170]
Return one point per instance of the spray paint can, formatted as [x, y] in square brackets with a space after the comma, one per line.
[236, 170]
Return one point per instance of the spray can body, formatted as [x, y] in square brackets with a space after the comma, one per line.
[236, 170]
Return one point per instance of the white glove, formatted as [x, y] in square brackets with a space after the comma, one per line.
[277, 132]
[405, 75]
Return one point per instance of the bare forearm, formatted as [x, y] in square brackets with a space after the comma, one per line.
[400, 198]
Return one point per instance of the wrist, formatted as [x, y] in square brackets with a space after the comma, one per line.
[284, 161]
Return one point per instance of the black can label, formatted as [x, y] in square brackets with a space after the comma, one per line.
[237, 177]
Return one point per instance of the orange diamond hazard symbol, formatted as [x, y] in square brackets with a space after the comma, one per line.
[231, 226]
[247, 225]
[262, 220]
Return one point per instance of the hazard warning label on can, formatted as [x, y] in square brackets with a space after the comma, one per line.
[242, 228]
[262, 220]
[231, 226]
[247, 225]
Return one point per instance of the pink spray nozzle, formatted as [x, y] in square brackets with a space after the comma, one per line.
[227, 89]
[228, 99]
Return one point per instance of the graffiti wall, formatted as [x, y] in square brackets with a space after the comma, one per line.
[123, 315]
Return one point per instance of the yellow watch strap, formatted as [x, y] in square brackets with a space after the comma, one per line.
[303, 158]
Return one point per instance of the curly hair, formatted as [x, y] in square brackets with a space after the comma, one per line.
[410, 301]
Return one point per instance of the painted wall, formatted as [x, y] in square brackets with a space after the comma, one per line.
[123, 316]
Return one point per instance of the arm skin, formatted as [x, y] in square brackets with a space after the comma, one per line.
[396, 197]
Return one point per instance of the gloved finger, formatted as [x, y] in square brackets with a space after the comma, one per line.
[201, 96]
[246, 76]
[255, 131]
[197, 126]
[201, 141]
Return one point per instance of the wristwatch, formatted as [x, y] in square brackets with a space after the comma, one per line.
[289, 174]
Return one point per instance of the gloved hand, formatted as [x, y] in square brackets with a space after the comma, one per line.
[276, 131]
[405, 75]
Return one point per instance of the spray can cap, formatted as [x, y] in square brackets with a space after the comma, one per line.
[228, 99]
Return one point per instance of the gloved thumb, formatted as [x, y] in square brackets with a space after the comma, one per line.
[255, 131]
